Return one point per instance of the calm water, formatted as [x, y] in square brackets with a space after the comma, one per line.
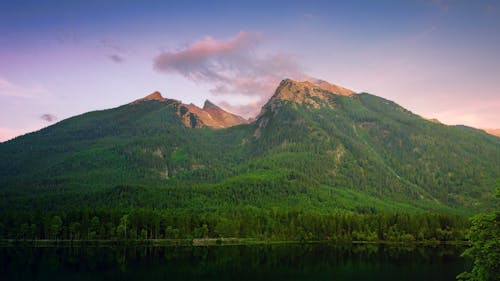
[262, 262]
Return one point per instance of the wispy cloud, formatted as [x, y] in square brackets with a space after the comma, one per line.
[231, 66]
[48, 117]
[116, 53]
[247, 110]
[116, 58]
[9, 89]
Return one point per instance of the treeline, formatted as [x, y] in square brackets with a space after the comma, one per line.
[141, 224]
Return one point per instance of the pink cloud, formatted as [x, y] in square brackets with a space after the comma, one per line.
[232, 67]
[207, 58]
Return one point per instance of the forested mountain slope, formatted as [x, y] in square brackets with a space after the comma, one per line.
[311, 148]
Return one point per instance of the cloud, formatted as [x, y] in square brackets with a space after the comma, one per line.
[10, 89]
[116, 53]
[48, 117]
[117, 58]
[231, 66]
[245, 110]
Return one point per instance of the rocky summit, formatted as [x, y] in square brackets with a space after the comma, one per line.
[314, 94]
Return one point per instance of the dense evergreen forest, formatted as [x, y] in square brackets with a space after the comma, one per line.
[244, 223]
[348, 168]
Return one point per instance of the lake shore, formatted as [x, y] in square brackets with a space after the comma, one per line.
[207, 242]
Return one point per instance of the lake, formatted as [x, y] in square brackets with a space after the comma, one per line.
[314, 261]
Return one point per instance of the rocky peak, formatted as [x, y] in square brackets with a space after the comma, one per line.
[218, 117]
[192, 116]
[316, 93]
[153, 96]
[332, 88]
[209, 105]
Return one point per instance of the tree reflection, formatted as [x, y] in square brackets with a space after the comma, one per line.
[263, 262]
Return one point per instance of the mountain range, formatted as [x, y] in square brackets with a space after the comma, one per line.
[314, 145]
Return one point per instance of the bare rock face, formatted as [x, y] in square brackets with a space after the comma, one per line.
[194, 117]
[315, 94]
[153, 96]
[332, 88]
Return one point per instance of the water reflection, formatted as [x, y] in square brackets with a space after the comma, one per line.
[261, 262]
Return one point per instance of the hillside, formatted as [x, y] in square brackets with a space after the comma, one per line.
[314, 146]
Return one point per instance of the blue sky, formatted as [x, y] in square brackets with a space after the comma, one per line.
[438, 58]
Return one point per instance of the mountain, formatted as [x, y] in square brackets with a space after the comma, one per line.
[314, 146]
[192, 116]
[313, 95]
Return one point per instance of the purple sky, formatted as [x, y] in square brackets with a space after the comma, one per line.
[438, 58]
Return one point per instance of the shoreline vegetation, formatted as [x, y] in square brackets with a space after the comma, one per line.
[239, 226]
[233, 241]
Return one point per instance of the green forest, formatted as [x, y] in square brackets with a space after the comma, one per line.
[276, 225]
[356, 168]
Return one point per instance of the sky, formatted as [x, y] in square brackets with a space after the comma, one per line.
[438, 58]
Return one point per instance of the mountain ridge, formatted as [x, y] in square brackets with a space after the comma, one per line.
[195, 117]
[309, 146]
